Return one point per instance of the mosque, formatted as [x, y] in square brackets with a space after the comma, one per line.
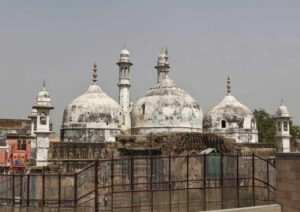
[165, 108]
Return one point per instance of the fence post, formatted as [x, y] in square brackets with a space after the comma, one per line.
[268, 181]
[221, 181]
[13, 188]
[75, 189]
[253, 178]
[151, 180]
[96, 185]
[59, 189]
[169, 187]
[204, 181]
[112, 182]
[237, 180]
[187, 183]
[43, 192]
[132, 180]
[28, 189]
[21, 187]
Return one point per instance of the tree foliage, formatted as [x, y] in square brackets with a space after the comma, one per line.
[265, 123]
[267, 130]
[295, 133]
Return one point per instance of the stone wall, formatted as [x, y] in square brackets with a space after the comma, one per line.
[288, 181]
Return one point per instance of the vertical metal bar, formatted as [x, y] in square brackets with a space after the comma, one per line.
[151, 180]
[96, 185]
[169, 187]
[21, 188]
[132, 180]
[187, 183]
[28, 190]
[75, 189]
[13, 188]
[59, 189]
[237, 181]
[253, 178]
[204, 181]
[268, 181]
[43, 191]
[221, 181]
[112, 182]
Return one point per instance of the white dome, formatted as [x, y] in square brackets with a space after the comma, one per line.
[166, 108]
[91, 117]
[33, 113]
[124, 52]
[124, 56]
[282, 111]
[231, 119]
[43, 98]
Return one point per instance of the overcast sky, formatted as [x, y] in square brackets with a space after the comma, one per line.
[256, 42]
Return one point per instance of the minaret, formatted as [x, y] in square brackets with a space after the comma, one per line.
[162, 66]
[43, 131]
[124, 85]
[283, 127]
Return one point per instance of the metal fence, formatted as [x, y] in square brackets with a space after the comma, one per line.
[149, 183]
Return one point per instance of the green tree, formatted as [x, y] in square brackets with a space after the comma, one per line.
[265, 123]
[295, 133]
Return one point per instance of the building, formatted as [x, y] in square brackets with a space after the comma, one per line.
[18, 154]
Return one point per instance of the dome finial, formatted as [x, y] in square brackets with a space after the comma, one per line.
[95, 73]
[282, 102]
[44, 85]
[228, 86]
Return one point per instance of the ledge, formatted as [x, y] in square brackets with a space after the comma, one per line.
[263, 208]
[288, 156]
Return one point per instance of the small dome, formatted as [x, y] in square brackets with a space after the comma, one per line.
[43, 98]
[166, 108]
[231, 119]
[92, 116]
[282, 111]
[33, 113]
[124, 56]
[124, 52]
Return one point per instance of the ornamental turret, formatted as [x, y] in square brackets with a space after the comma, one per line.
[124, 86]
[283, 127]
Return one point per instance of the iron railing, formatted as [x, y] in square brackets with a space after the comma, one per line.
[191, 183]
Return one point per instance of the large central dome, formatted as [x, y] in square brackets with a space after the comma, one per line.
[166, 108]
[93, 116]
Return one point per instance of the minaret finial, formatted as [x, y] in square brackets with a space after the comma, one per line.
[228, 86]
[95, 73]
[44, 85]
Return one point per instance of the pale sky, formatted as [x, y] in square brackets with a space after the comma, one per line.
[256, 42]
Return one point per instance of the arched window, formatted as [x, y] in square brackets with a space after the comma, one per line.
[143, 107]
[43, 119]
[223, 124]
[285, 126]
[279, 126]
